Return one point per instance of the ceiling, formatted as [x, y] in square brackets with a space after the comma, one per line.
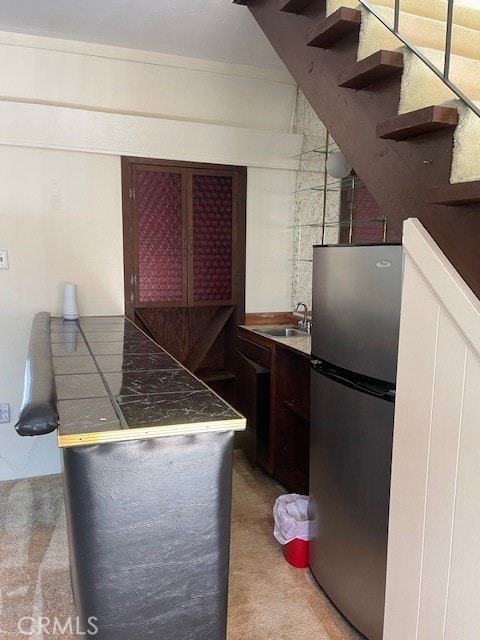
[207, 29]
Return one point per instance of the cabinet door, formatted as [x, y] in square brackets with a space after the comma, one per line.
[184, 234]
[253, 400]
[212, 259]
[160, 231]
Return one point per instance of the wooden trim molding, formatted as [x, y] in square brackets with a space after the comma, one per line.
[124, 435]
[268, 317]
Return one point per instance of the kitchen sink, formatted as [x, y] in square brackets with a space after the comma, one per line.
[284, 332]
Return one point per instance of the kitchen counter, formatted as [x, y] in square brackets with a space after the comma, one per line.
[147, 470]
[301, 344]
[115, 384]
[274, 394]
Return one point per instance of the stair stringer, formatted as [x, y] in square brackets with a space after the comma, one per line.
[397, 174]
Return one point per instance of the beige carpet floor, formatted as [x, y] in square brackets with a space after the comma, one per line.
[34, 576]
[268, 599]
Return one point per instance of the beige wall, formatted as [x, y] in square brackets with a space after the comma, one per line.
[269, 239]
[60, 211]
[59, 220]
[51, 71]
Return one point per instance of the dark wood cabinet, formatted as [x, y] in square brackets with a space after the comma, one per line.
[253, 399]
[184, 260]
[279, 442]
[184, 230]
[292, 420]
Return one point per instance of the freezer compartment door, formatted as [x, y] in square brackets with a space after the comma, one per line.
[350, 463]
[356, 307]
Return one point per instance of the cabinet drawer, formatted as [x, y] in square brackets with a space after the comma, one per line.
[254, 351]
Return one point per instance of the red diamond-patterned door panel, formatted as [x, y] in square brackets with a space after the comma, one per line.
[365, 223]
[212, 238]
[160, 235]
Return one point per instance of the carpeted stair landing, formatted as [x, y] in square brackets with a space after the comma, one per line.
[268, 599]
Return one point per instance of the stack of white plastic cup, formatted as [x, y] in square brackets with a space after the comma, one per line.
[70, 304]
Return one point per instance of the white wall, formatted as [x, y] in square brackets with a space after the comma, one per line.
[269, 240]
[60, 72]
[433, 551]
[60, 210]
[59, 220]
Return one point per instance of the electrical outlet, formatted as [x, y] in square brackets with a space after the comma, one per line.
[3, 260]
[5, 412]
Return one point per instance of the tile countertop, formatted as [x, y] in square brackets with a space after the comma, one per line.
[114, 384]
[297, 343]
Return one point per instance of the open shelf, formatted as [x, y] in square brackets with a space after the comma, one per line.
[314, 153]
[297, 409]
[339, 223]
[337, 185]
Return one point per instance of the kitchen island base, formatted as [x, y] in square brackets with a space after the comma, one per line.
[148, 526]
[147, 468]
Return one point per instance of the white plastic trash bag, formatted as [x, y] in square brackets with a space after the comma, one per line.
[291, 518]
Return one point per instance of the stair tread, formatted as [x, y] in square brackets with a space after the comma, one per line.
[334, 27]
[294, 6]
[415, 123]
[378, 66]
[455, 194]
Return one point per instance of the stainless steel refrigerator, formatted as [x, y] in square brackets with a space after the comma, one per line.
[356, 315]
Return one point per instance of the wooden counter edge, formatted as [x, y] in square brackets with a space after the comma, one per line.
[142, 433]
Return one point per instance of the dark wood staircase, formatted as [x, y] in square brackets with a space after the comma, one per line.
[415, 123]
[293, 6]
[364, 73]
[403, 160]
[329, 31]
[455, 194]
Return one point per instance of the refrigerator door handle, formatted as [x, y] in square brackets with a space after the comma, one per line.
[365, 387]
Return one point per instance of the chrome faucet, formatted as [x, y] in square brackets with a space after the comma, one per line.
[303, 324]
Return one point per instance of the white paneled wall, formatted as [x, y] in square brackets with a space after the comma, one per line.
[433, 570]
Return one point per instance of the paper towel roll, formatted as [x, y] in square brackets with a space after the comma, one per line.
[70, 304]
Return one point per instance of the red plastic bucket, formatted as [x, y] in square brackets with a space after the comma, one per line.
[295, 553]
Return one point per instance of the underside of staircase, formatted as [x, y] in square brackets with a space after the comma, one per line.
[404, 160]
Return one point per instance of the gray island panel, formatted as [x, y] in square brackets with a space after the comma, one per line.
[147, 467]
[149, 536]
